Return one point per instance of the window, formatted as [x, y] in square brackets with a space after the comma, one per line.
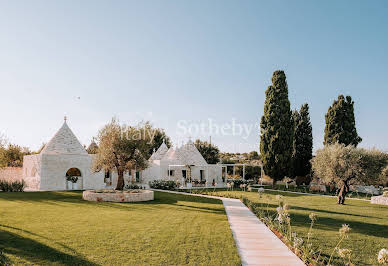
[137, 177]
[201, 174]
[171, 172]
[108, 177]
[184, 173]
[107, 174]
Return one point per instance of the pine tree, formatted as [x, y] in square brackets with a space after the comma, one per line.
[302, 143]
[276, 129]
[340, 123]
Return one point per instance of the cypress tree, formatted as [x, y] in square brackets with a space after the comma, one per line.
[276, 129]
[340, 123]
[302, 143]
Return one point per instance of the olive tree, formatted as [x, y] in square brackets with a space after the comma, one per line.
[347, 165]
[122, 148]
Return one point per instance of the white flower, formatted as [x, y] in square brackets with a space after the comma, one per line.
[383, 256]
[279, 197]
[344, 252]
[298, 242]
[344, 230]
[313, 217]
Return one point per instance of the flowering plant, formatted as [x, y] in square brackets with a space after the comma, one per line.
[73, 179]
[383, 256]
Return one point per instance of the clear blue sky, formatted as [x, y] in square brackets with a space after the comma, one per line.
[167, 61]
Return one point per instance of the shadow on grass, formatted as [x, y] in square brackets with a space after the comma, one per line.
[36, 252]
[75, 197]
[36, 235]
[329, 223]
[333, 212]
[187, 202]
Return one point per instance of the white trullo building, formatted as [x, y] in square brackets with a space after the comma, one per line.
[64, 164]
[62, 156]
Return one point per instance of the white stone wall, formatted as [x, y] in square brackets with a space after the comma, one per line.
[54, 168]
[156, 172]
[11, 173]
[32, 171]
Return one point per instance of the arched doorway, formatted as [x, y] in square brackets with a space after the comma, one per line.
[73, 179]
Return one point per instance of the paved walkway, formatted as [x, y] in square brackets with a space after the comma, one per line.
[256, 244]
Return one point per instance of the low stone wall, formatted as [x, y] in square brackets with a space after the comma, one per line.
[11, 173]
[379, 200]
[144, 195]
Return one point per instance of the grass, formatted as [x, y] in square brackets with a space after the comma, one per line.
[369, 222]
[305, 189]
[60, 228]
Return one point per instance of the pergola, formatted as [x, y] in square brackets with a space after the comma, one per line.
[234, 168]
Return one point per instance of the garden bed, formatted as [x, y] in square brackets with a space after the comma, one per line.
[118, 195]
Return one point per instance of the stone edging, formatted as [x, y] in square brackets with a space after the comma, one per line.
[145, 195]
[379, 200]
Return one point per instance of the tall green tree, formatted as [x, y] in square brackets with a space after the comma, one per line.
[340, 123]
[302, 143]
[276, 129]
[122, 148]
[209, 152]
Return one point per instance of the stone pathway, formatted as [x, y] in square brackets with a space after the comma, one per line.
[256, 243]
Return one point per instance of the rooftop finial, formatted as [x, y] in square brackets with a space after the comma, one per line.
[65, 118]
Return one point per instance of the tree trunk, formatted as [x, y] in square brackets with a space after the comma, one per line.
[120, 180]
[342, 193]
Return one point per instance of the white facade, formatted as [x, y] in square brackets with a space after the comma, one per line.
[184, 164]
[48, 170]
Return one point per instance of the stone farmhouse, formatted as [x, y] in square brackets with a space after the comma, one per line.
[64, 164]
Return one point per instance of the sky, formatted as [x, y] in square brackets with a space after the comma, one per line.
[195, 68]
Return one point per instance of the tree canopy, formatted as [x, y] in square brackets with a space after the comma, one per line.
[276, 129]
[302, 142]
[12, 155]
[346, 165]
[159, 135]
[210, 152]
[340, 123]
[122, 148]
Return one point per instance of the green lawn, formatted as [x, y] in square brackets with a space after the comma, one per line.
[61, 228]
[369, 222]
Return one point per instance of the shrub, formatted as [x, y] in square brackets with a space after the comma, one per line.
[132, 186]
[239, 182]
[163, 184]
[12, 186]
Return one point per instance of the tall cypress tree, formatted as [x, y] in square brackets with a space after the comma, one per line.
[340, 123]
[276, 129]
[302, 143]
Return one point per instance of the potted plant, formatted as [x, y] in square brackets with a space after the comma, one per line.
[72, 182]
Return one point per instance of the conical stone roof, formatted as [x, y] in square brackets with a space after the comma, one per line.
[64, 142]
[159, 154]
[190, 155]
